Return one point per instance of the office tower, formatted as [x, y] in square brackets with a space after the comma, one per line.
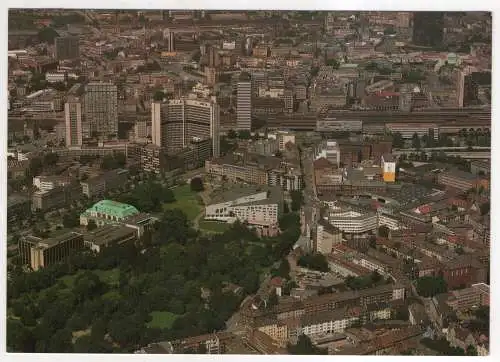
[210, 76]
[158, 124]
[428, 28]
[67, 47]
[100, 110]
[213, 57]
[73, 118]
[178, 123]
[244, 102]
[459, 76]
[169, 37]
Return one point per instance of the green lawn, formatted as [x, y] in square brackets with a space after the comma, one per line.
[186, 200]
[214, 226]
[162, 319]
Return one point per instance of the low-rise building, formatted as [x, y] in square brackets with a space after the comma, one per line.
[257, 206]
[109, 235]
[99, 185]
[38, 253]
[327, 235]
[462, 180]
[107, 212]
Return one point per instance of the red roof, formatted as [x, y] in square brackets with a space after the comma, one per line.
[277, 282]
[425, 209]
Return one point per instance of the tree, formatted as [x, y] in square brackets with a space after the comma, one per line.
[333, 63]
[286, 208]
[71, 220]
[429, 286]
[297, 200]
[158, 96]
[47, 35]
[415, 141]
[231, 134]
[272, 300]
[314, 261]
[484, 208]
[91, 225]
[471, 351]
[304, 346]
[389, 30]
[244, 135]
[383, 231]
[196, 184]
[397, 140]
[19, 338]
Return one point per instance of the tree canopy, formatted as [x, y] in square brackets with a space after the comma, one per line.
[314, 261]
[429, 286]
[304, 346]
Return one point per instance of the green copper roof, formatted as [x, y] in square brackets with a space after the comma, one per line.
[113, 208]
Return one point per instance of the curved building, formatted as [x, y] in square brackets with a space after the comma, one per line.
[177, 123]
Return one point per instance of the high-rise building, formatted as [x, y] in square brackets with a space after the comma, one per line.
[67, 47]
[210, 76]
[100, 110]
[213, 57]
[73, 117]
[460, 84]
[178, 123]
[244, 102]
[169, 37]
[428, 28]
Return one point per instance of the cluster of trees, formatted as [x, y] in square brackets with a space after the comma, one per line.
[314, 261]
[148, 196]
[163, 272]
[475, 137]
[429, 286]
[111, 162]
[357, 283]
[443, 347]
[304, 346]
[242, 135]
[38, 164]
[413, 76]
[196, 184]
[297, 200]
[384, 231]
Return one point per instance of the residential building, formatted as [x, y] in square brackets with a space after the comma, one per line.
[38, 253]
[55, 198]
[461, 180]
